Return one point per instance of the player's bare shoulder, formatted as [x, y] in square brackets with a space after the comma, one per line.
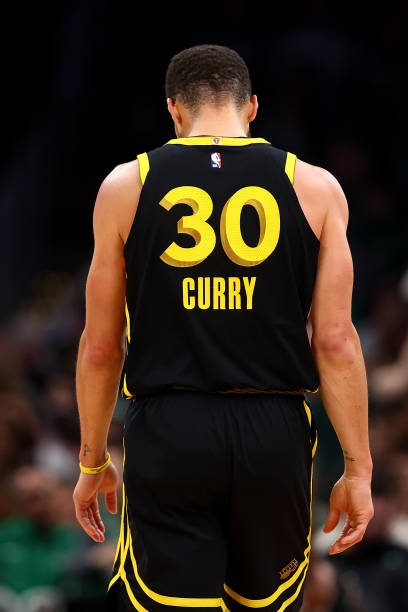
[319, 194]
[118, 196]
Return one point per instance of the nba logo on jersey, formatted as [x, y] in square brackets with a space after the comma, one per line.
[215, 160]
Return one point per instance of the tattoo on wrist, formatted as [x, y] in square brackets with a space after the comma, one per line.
[348, 457]
[87, 449]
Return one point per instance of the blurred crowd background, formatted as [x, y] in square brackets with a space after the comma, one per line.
[84, 91]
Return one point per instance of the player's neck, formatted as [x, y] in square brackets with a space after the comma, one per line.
[217, 124]
[216, 129]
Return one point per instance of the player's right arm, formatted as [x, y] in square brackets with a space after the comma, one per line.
[337, 351]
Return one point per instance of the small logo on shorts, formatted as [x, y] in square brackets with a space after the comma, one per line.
[216, 139]
[215, 160]
[288, 569]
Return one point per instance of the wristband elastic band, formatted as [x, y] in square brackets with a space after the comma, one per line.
[95, 470]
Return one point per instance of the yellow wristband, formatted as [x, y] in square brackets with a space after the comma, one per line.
[95, 470]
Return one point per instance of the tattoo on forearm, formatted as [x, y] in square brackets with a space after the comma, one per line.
[348, 457]
[87, 449]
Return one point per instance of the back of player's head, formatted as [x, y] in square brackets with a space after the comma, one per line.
[208, 74]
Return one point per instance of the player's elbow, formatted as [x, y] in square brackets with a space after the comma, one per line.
[102, 353]
[337, 342]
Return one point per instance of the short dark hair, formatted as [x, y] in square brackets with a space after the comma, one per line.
[208, 73]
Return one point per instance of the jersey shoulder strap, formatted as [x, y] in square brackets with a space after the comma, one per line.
[284, 161]
[290, 166]
[144, 166]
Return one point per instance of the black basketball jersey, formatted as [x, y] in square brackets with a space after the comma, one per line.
[220, 264]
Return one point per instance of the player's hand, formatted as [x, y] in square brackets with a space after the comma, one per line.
[352, 495]
[86, 500]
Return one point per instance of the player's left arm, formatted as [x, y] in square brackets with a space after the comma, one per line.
[101, 351]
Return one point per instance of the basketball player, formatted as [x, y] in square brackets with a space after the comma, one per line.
[211, 253]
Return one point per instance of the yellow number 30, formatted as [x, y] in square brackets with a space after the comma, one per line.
[230, 227]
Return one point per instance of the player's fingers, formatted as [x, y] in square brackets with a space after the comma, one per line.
[354, 535]
[99, 533]
[97, 516]
[86, 524]
[111, 502]
[332, 520]
[345, 530]
[335, 546]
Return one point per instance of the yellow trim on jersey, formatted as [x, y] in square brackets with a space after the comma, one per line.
[217, 140]
[127, 321]
[167, 600]
[144, 166]
[314, 446]
[262, 603]
[309, 414]
[290, 166]
[125, 388]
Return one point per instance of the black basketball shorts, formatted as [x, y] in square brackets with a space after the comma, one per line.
[217, 503]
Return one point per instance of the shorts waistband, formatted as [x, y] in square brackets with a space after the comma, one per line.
[246, 390]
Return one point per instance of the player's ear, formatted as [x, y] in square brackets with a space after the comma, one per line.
[253, 108]
[174, 111]
[172, 106]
